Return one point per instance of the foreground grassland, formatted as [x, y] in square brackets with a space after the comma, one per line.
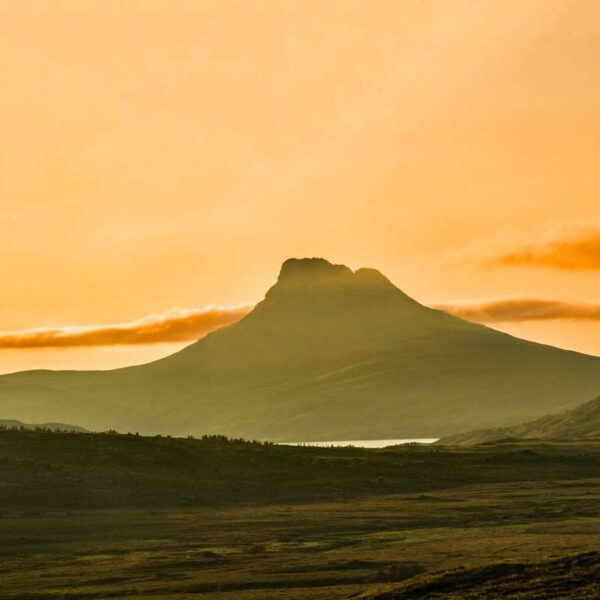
[574, 577]
[225, 520]
[86, 471]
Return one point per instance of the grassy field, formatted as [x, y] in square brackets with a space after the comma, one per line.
[299, 551]
[329, 529]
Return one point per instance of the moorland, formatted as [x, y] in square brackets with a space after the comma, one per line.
[108, 516]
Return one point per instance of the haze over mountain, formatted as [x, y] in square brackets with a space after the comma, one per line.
[328, 354]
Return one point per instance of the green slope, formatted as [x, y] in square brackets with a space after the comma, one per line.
[582, 422]
[328, 354]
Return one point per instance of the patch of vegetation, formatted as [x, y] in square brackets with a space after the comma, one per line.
[575, 577]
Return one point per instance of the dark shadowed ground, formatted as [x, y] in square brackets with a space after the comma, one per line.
[302, 523]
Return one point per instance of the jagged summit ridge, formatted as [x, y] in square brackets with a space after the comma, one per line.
[311, 269]
[319, 271]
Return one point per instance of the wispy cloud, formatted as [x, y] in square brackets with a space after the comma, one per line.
[178, 325]
[185, 325]
[566, 246]
[496, 310]
[576, 248]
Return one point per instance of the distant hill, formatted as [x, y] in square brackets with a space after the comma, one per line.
[14, 424]
[582, 422]
[328, 354]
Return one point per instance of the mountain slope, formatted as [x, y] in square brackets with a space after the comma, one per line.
[582, 422]
[328, 354]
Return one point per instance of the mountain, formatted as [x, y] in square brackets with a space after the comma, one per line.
[581, 423]
[14, 424]
[328, 354]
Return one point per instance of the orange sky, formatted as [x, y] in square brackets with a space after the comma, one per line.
[163, 154]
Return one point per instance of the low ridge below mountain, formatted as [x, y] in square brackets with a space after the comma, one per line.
[15, 424]
[581, 423]
[328, 354]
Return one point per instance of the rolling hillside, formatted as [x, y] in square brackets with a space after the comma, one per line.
[328, 354]
[581, 423]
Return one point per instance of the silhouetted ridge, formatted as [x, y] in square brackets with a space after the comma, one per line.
[311, 268]
[310, 276]
[298, 273]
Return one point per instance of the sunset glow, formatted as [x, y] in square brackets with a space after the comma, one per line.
[158, 154]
